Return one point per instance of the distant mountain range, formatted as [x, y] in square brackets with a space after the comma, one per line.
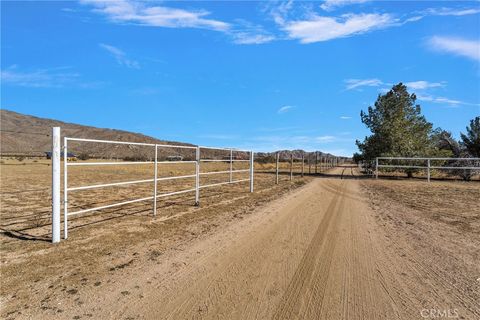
[25, 135]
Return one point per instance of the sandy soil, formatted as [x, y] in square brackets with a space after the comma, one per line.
[335, 248]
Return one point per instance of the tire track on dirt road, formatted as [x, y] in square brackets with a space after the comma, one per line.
[303, 287]
[317, 253]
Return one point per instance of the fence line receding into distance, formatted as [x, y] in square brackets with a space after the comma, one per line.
[427, 164]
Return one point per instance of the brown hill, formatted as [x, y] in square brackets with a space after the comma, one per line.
[31, 136]
[25, 135]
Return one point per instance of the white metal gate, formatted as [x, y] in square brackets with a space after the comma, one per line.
[197, 163]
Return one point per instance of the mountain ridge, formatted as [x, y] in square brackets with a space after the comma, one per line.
[28, 135]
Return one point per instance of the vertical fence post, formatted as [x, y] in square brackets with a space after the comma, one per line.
[376, 168]
[251, 171]
[428, 174]
[155, 172]
[291, 167]
[316, 161]
[231, 165]
[277, 167]
[303, 164]
[309, 164]
[56, 184]
[65, 188]
[197, 176]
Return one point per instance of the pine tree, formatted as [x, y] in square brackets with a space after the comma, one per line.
[471, 140]
[397, 125]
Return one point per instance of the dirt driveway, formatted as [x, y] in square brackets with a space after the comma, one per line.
[320, 252]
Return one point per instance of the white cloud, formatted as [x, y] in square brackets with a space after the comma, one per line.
[443, 100]
[125, 11]
[324, 139]
[345, 117]
[320, 28]
[329, 5]
[451, 11]
[246, 32]
[462, 47]
[414, 85]
[120, 56]
[251, 38]
[45, 78]
[143, 13]
[357, 83]
[285, 109]
[421, 85]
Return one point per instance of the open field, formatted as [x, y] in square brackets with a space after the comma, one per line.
[337, 247]
[26, 194]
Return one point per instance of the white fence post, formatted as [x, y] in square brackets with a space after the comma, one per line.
[231, 165]
[56, 184]
[428, 170]
[276, 167]
[376, 168]
[155, 172]
[65, 188]
[251, 171]
[197, 177]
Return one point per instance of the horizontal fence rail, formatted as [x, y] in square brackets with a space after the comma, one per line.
[196, 164]
[428, 166]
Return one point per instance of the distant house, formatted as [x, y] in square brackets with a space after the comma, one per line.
[70, 155]
[174, 158]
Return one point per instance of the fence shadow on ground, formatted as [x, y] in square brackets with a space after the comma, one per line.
[141, 209]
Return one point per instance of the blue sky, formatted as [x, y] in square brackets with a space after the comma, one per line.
[261, 75]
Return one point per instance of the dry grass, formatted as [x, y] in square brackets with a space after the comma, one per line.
[101, 242]
[26, 195]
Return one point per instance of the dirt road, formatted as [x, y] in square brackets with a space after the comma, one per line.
[315, 254]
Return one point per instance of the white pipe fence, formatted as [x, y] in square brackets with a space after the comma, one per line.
[198, 174]
[323, 163]
[428, 166]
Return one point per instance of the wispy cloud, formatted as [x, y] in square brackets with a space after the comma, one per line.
[414, 85]
[329, 5]
[422, 85]
[146, 14]
[445, 101]
[357, 83]
[345, 117]
[285, 109]
[124, 11]
[458, 46]
[245, 32]
[120, 56]
[59, 77]
[243, 37]
[44, 78]
[444, 11]
[321, 28]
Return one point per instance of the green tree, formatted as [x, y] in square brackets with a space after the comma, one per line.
[398, 127]
[471, 140]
